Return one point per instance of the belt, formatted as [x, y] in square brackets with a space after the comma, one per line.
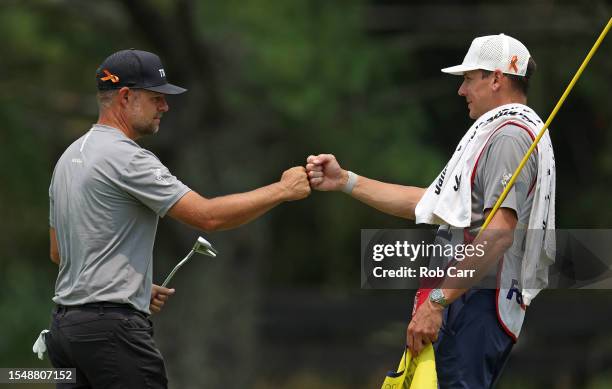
[99, 306]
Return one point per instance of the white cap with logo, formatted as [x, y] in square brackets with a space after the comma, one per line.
[493, 52]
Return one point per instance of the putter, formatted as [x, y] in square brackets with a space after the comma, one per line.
[201, 246]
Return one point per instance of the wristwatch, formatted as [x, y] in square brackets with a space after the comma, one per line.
[437, 296]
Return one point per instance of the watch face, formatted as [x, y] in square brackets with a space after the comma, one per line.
[438, 297]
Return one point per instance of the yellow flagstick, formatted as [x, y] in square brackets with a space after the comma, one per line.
[550, 119]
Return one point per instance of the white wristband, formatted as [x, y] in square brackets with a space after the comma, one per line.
[350, 183]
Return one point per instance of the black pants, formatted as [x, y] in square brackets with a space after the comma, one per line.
[110, 345]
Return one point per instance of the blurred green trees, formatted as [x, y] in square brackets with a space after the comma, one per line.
[271, 82]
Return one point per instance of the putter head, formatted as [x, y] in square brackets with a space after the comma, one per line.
[202, 246]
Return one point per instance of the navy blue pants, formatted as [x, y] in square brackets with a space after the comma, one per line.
[472, 347]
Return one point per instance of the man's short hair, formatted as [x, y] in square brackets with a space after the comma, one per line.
[520, 83]
[105, 97]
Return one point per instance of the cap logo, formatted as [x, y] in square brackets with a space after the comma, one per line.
[513, 62]
[162, 72]
[109, 76]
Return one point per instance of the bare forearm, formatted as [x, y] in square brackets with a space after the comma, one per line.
[475, 267]
[237, 209]
[397, 200]
[325, 174]
[225, 212]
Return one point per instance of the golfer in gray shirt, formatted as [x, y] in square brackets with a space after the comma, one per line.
[106, 197]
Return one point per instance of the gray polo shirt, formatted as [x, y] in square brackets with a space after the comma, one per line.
[498, 160]
[106, 196]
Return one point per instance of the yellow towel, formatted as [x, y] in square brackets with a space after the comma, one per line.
[414, 373]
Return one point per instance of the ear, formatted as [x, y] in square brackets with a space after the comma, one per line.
[496, 80]
[124, 95]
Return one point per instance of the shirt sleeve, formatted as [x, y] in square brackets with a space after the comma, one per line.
[51, 208]
[51, 202]
[504, 154]
[151, 183]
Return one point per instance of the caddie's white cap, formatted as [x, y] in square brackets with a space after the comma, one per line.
[493, 52]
